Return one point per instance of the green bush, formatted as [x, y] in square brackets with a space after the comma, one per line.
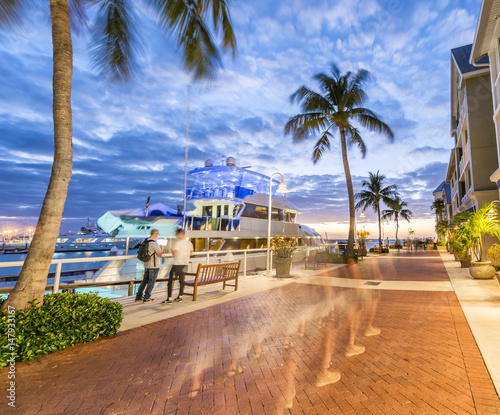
[63, 320]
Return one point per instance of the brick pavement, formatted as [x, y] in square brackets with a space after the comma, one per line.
[278, 352]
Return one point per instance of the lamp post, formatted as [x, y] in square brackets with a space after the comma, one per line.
[282, 188]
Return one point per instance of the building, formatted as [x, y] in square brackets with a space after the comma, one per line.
[487, 45]
[443, 191]
[474, 157]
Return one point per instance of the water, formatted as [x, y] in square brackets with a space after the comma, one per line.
[77, 266]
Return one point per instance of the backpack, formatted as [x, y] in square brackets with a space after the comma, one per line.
[143, 253]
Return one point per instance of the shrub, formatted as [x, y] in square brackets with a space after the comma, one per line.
[63, 320]
[283, 246]
[494, 254]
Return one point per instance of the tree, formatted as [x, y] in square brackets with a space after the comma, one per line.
[438, 206]
[114, 48]
[442, 229]
[397, 210]
[338, 108]
[471, 227]
[373, 194]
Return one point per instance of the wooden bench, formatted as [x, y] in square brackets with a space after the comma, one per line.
[212, 274]
[376, 250]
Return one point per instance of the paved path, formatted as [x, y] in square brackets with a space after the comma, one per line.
[298, 348]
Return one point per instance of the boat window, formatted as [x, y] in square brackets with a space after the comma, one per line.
[207, 211]
[277, 214]
[215, 244]
[253, 211]
[236, 210]
[226, 210]
[219, 209]
[261, 243]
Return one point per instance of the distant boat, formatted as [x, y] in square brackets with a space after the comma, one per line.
[91, 238]
[227, 208]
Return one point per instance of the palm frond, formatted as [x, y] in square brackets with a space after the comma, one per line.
[77, 16]
[355, 138]
[11, 12]
[200, 55]
[321, 145]
[303, 126]
[115, 42]
[222, 21]
[373, 123]
[310, 100]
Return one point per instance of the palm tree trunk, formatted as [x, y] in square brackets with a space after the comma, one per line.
[379, 227]
[33, 277]
[349, 252]
[397, 229]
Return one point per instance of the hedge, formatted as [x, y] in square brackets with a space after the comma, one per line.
[63, 320]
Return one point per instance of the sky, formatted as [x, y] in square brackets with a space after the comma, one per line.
[130, 139]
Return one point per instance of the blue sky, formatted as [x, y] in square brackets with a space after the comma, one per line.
[129, 139]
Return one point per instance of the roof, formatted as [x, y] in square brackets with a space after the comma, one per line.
[447, 191]
[440, 188]
[485, 31]
[462, 55]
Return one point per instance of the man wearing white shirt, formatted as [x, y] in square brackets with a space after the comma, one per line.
[182, 251]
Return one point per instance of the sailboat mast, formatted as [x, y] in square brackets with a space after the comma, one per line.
[186, 154]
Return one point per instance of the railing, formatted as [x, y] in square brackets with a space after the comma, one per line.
[136, 267]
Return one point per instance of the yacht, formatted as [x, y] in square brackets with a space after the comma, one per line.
[226, 209]
[91, 238]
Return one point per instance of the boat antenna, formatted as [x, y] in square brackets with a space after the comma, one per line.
[186, 154]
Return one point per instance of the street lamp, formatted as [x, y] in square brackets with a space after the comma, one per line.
[282, 188]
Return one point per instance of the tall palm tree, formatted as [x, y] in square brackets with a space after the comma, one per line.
[338, 108]
[397, 210]
[374, 192]
[438, 206]
[115, 45]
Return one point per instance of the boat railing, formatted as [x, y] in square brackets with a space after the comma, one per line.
[117, 267]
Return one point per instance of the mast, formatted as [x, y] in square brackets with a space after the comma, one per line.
[186, 154]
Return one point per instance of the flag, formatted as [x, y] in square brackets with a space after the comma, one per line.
[147, 204]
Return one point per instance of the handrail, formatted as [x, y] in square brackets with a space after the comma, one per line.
[59, 262]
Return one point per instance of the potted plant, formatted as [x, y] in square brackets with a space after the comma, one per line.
[473, 227]
[362, 234]
[460, 246]
[282, 248]
[494, 254]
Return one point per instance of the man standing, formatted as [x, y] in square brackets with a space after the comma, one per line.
[151, 268]
[181, 252]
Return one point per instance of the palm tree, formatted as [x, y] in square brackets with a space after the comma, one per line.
[397, 210]
[438, 206]
[338, 108]
[373, 194]
[114, 47]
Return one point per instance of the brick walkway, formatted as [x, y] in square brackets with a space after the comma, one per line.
[297, 349]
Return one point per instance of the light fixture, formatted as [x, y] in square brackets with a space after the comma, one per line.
[282, 187]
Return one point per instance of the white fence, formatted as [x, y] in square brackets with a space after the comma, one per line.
[128, 267]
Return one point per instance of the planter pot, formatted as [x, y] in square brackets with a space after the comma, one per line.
[441, 248]
[456, 256]
[482, 270]
[283, 266]
[466, 261]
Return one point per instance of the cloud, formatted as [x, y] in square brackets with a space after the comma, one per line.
[129, 139]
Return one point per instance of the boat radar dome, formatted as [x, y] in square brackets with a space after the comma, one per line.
[230, 162]
[209, 163]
